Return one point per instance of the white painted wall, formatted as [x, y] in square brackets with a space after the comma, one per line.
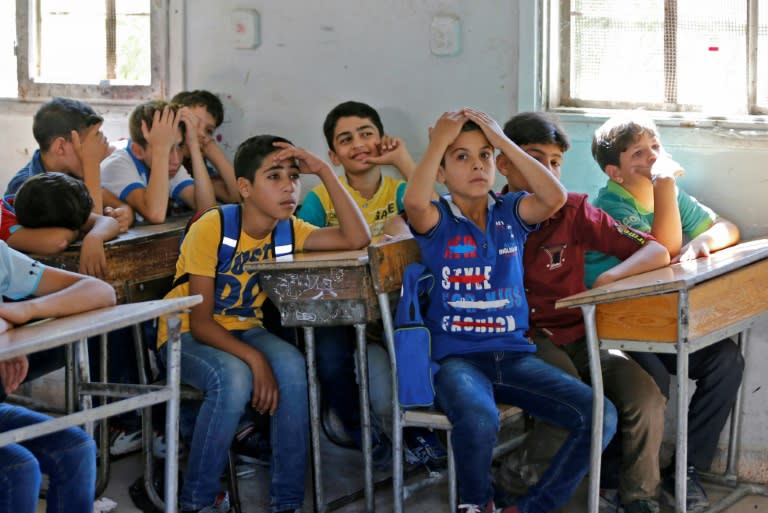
[314, 55]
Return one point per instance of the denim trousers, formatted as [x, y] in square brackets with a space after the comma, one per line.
[227, 383]
[68, 457]
[717, 371]
[467, 389]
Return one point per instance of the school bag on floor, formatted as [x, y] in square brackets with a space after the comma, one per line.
[413, 341]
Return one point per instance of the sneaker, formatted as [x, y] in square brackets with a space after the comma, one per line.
[609, 501]
[253, 446]
[123, 442]
[695, 496]
[422, 447]
[642, 506]
[220, 506]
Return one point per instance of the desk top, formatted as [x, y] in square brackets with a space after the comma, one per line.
[50, 333]
[172, 226]
[311, 260]
[676, 277]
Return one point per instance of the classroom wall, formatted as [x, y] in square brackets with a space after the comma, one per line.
[313, 55]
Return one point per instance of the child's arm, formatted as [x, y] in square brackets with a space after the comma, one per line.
[206, 330]
[667, 226]
[98, 229]
[393, 152]
[718, 236]
[91, 149]
[547, 193]
[353, 231]
[60, 293]
[226, 189]
[649, 257]
[116, 209]
[41, 241]
[422, 214]
[200, 196]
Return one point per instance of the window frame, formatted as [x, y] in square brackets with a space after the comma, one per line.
[555, 69]
[167, 51]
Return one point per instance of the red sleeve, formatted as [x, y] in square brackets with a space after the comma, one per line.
[7, 221]
[609, 236]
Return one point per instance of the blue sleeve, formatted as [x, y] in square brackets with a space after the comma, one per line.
[399, 197]
[312, 210]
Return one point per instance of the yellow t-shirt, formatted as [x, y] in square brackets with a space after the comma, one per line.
[239, 294]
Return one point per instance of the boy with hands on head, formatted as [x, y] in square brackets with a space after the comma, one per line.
[472, 241]
[226, 352]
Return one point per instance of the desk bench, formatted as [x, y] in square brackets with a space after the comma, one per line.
[676, 309]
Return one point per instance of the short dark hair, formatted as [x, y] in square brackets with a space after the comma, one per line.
[345, 110]
[53, 200]
[58, 117]
[615, 135]
[468, 126]
[251, 152]
[536, 128]
[202, 98]
[146, 112]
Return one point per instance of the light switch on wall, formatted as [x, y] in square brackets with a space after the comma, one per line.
[245, 28]
[445, 35]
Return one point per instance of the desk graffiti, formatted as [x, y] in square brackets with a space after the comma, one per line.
[316, 285]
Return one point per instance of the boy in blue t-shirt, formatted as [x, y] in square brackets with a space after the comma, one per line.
[473, 243]
[642, 193]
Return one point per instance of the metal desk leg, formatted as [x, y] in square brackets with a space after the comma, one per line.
[365, 414]
[681, 450]
[596, 374]
[172, 413]
[734, 430]
[314, 418]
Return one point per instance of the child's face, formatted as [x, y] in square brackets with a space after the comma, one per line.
[174, 156]
[206, 125]
[468, 168]
[275, 188]
[635, 163]
[355, 140]
[549, 155]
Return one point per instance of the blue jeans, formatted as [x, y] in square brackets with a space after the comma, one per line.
[467, 389]
[68, 457]
[227, 383]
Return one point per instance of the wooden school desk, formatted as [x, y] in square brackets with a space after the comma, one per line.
[676, 309]
[53, 333]
[141, 258]
[326, 288]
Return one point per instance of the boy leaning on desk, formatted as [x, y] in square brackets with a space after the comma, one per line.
[226, 353]
[67, 457]
[642, 193]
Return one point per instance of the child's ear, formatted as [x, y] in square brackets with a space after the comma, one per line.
[614, 173]
[244, 186]
[58, 146]
[137, 150]
[441, 174]
[502, 164]
[334, 158]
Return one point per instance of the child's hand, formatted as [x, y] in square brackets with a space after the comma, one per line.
[392, 151]
[13, 372]
[697, 248]
[488, 125]
[123, 215]
[93, 260]
[16, 313]
[265, 393]
[447, 128]
[165, 126]
[665, 166]
[307, 162]
[93, 146]
[192, 132]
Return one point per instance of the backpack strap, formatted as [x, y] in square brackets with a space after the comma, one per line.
[282, 238]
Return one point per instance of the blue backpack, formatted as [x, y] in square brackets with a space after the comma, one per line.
[230, 216]
[413, 341]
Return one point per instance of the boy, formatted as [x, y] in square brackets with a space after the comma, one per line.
[641, 192]
[472, 242]
[52, 210]
[209, 111]
[147, 173]
[70, 141]
[225, 351]
[553, 263]
[356, 142]
[68, 457]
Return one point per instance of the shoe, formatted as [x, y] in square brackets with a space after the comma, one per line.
[642, 506]
[488, 508]
[695, 496]
[122, 442]
[253, 446]
[609, 501]
[220, 506]
[381, 447]
[422, 447]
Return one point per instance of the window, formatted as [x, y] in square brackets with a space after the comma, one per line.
[702, 56]
[93, 49]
